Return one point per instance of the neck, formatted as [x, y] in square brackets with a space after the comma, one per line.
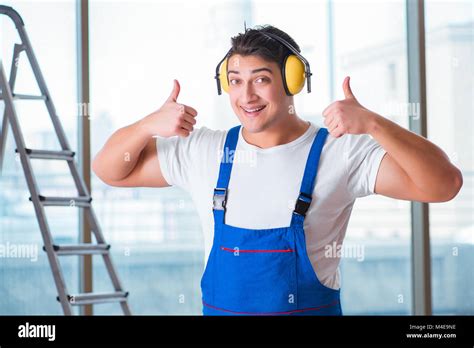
[280, 133]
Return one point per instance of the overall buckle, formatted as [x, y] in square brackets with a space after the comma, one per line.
[219, 199]
[302, 204]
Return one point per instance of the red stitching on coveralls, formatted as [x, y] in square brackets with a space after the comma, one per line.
[273, 313]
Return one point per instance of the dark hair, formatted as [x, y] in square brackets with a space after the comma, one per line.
[253, 42]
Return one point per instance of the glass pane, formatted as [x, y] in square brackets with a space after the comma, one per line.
[376, 277]
[26, 282]
[449, 73]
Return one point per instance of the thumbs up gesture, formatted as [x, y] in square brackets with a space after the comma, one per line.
[172, 118]
[347, 116]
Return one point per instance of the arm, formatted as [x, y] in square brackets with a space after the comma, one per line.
[412, 169]
[129, 157]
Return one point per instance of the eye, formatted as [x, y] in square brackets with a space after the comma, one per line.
[262, 79]
[234, 81]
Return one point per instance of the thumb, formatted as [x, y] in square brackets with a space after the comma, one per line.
[346, 86]
[175, 92]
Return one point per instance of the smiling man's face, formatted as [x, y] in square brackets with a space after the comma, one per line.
[256, 92]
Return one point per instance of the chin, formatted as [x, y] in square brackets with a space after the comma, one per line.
[252, 126]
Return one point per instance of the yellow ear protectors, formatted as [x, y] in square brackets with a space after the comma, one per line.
[294, 74]
[294, 71]
[222, 80]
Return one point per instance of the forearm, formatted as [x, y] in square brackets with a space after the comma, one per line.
[426, 164]
[120, 154]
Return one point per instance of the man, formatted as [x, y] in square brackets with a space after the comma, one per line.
[267, 220]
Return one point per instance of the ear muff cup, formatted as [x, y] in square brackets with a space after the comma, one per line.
[293, 73]
[223, 76]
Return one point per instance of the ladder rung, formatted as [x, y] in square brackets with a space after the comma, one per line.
[50, 154]
[80, 249]
[92, 298]
[25, 97]
[81, 201]
[28, 97]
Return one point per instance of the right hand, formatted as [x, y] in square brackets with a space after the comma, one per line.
[172, 118]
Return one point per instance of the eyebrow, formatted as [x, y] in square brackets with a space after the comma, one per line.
[253, 71]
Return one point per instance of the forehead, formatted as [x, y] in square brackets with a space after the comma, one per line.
[242, 63]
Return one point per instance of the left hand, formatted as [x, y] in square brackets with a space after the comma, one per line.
[347, 116]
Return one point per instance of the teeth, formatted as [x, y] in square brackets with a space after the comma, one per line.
[254, 110]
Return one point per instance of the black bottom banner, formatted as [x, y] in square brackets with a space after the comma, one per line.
[450, 331]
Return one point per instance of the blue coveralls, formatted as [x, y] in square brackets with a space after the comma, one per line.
[264, 271]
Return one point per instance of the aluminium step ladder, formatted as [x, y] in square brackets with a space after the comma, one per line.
[83, 200]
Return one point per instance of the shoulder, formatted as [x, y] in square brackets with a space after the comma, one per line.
[207, 141]
[350, 143]
[186, 161]
[205, 134]
[349, 151]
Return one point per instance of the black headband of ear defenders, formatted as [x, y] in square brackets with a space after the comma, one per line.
[282, 42]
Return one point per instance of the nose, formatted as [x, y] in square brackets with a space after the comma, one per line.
[248, 94]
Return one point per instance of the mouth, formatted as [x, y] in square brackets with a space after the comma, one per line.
[254, 111]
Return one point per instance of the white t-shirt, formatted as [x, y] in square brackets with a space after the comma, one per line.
[265, 184]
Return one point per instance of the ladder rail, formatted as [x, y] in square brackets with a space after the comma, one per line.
[33, 188]
[4, 130]
[15, 16]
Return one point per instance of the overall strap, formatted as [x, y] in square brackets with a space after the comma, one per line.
[310, 171]
[220, 192]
